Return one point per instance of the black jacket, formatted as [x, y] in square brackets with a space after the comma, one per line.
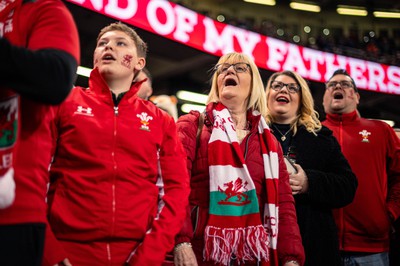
[332, 184]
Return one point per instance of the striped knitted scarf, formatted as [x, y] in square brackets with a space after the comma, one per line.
[234, 229]
[6, 6]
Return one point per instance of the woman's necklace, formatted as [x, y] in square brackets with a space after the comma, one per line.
[283, 136]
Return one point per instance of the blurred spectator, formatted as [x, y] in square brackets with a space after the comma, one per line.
[146, 89]
[167, 103]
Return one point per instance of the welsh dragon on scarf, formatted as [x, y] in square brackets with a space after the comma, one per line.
[234, 229]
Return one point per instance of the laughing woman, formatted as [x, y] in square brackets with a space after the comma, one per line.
[324, 179]
[238, 177]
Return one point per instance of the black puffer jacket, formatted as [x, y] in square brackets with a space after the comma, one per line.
[332, 184]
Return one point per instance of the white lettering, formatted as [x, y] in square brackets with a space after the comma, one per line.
[315, 58]
[357, 72]
[6, 161]
[214, 41]
[294, 60]
[277, 50]
[376, 76]
[159, 27]
[332, 63]
[127, 12]
[393, 73]
[186, 20]
[247, 40]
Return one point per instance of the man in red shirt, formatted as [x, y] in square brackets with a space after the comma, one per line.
[373, 151]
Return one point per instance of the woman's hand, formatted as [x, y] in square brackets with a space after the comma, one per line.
[184, 256]
[298, 182]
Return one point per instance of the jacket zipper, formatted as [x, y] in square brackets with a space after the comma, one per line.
[247, 145]
[341, 212]
[196, 220]
[113, 181]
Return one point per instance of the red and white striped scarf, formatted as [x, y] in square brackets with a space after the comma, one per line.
[234, 229]
[6, 6]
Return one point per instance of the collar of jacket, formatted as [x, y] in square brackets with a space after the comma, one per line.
[344, 118]
[99, 86]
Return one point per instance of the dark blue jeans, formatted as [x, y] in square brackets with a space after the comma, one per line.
[377, 259]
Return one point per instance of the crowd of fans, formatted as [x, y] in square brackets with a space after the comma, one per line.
[381, 49]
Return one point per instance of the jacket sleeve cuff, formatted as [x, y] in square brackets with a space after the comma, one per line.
[181, 239]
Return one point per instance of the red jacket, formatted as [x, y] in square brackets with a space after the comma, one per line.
[373, 152]
[289, 239]
[103, 178]
[30, 28]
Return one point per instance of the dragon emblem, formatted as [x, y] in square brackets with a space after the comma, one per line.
[8, 122]
[234, 189]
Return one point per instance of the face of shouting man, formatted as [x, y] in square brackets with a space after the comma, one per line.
[340, 95]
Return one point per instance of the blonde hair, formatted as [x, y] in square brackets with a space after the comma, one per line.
[141, 46]
[306, 114]
[257, 100]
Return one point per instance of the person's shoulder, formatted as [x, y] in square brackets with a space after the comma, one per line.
[325, 131]
[53, 12]
[76, 92]
[374, 123]
[40, 4]
[189, 118]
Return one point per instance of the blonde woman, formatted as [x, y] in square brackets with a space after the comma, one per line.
[322, 178]
[238, 177]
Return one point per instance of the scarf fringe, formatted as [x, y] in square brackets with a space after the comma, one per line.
[241, 244]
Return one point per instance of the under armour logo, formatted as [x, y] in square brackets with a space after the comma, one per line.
[80, 110]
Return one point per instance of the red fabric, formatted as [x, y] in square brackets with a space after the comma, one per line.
[35, 25]
[93, 253]
[9, 105]
[104, 174]
[374, 157]
[289, 240]
[32, 156]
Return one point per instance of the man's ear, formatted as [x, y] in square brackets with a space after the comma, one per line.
[358, 98]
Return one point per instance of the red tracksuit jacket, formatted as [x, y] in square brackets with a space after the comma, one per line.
[103, 197]
[373, 152]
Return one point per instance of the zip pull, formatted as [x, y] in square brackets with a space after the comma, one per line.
[116, 110]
